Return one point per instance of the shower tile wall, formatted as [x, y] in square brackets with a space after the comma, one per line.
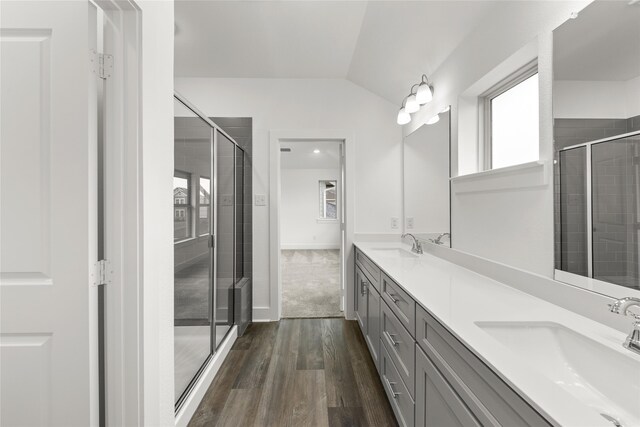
[615, 251]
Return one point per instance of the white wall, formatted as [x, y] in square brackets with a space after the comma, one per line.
[596, 99]
[310, 104]
[157, 232]
[507, 224]
[299, 210]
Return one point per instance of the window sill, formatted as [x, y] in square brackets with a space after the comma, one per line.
[326, 221]
[532, 174]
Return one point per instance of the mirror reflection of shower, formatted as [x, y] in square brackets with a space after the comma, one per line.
[596, 110]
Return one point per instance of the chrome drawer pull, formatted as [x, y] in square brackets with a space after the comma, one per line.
[394, 393]
[363, 288]
[390, 337]
[393, 298]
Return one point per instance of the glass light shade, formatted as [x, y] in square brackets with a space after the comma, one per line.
[412, 104]
[424, 94]
[403, 117]
[434, 119]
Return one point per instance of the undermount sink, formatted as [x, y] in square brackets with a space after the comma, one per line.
[393, 252]
[596, 374]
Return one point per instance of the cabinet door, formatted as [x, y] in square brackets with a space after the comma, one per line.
[437, 404]
[373, 325]
[361, 300]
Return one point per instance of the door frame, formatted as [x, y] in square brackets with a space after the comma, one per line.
[348, 198]
[122, 215]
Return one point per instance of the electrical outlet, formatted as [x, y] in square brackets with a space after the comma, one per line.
[395, 223]
[409, 223]
[260, 200]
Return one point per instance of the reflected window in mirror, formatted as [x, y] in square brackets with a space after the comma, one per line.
[596, 88]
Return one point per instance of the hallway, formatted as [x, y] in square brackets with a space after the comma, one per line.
[311, 283]
[297, 372]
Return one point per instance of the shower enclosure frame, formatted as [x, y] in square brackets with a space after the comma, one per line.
[589, 282]
[212, 244]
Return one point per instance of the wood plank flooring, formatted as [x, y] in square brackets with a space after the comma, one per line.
[297, 372]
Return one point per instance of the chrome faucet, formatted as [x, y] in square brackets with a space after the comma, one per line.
[438, 240]
[417, 246]
[621, 307]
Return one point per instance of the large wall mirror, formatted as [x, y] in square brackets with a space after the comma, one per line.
[426, 182]
[596, 106]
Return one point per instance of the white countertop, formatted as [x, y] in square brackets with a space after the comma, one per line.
[459, 297]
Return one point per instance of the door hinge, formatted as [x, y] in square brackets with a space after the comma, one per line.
[102, 273]
[101, 64]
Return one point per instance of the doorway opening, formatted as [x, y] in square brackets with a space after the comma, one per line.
[311, 207]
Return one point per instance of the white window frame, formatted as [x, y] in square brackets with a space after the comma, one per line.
[187, 205]
[484, 106]
[197, 209]
[323, 201]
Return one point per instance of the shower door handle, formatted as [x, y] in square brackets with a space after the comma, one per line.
[212, 241]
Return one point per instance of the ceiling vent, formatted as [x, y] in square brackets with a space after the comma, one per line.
[285, 150]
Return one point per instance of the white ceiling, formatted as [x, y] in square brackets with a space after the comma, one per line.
[383, 46]
[602, 44]
[303, 157]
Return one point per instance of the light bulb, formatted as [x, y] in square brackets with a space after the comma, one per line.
[316, 151]
[434, 119]
[412, 104]
[403, 117]
[424, 93]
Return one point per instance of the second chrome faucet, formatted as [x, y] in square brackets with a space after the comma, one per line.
[417, 246]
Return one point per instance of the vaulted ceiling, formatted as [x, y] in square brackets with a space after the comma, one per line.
[383, 46]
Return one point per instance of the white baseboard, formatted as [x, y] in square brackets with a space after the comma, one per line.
[262, 314]
[307, 246]
[197, 393]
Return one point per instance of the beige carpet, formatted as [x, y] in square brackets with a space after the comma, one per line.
[311, 283]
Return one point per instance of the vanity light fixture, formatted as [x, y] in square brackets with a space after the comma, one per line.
[412, 104]
[434, 119]
[403, 116]
[417, 97]
[425, 91]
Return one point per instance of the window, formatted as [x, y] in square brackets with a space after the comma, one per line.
[203, 205]
[328, 200]
[511, 120]
[181, 206]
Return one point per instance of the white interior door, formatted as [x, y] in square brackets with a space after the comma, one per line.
[48, 214]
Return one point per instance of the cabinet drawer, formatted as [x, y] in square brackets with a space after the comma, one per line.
[369, 268]
[400, 344]
[492, 401]
[401, 401]
[400, 302]
[437, 403]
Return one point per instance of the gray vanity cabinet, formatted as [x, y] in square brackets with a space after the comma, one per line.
[367, 309]
[360, 299]
[437, 404]
[430, 377]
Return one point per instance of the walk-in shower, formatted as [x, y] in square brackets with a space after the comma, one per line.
[208, 218]
[598, 209]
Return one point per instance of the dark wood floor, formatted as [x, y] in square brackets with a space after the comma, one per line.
[297, 372]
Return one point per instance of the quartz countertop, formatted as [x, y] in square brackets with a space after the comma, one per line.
[459, 297]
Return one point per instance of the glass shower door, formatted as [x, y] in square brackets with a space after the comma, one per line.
[192, 191]
[225, 236]
[616, 211]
